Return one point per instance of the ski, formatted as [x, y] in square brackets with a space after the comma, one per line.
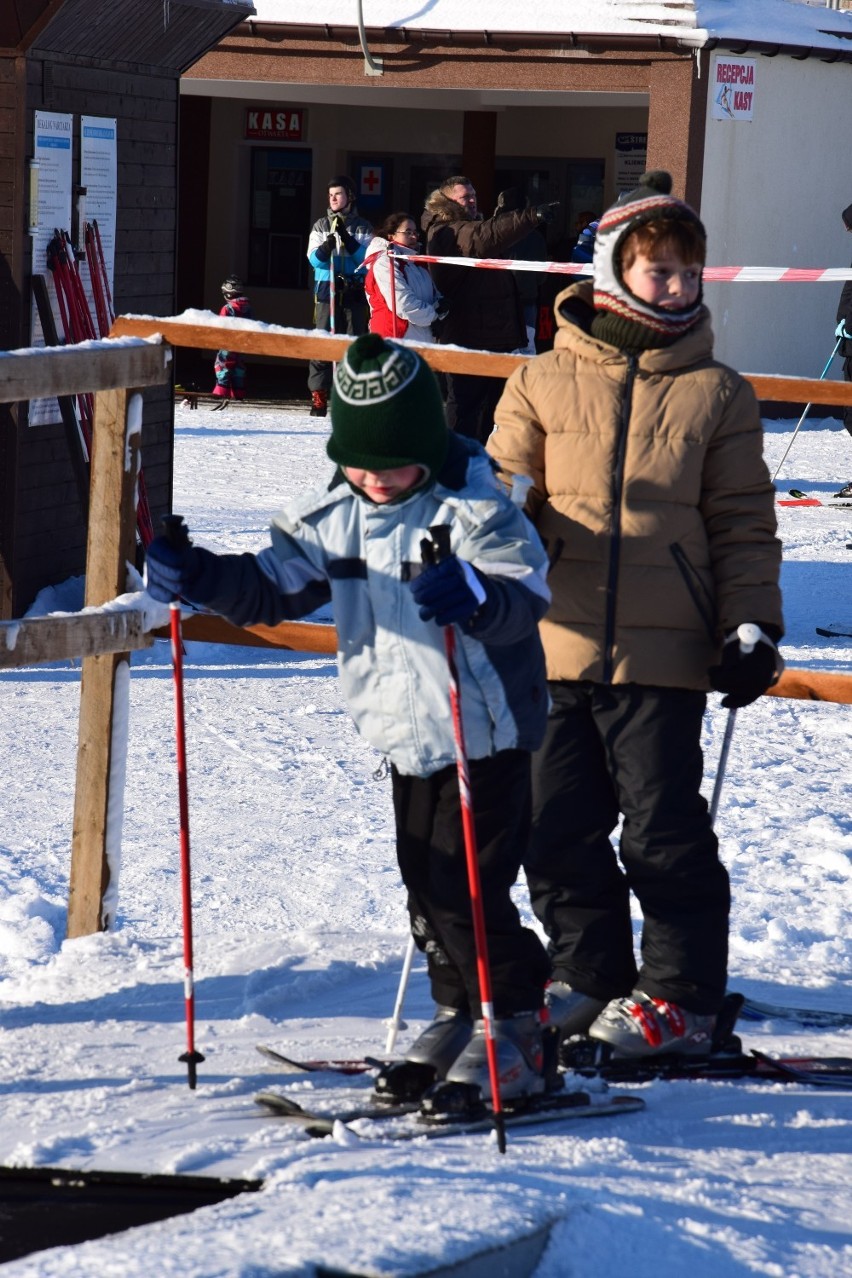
[809, 1017]
[293, 1065]
[798, 498]
[836, 630]
[405, 1122]
[593, 1059]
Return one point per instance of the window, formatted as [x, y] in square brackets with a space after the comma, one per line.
[280, 217]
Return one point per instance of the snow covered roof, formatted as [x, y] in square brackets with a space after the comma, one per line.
[790, 23]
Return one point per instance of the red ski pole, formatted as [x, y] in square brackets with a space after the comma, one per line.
[175, 530]
[434, 552]
[392, 265]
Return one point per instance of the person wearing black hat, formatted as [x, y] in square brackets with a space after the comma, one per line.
[337, 246]
[229, 366]
[358, 542]
[844, 332]
[649, 488]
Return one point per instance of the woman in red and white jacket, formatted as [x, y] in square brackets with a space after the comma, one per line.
[417, 302]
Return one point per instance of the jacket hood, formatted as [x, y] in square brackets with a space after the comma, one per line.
[440, 208]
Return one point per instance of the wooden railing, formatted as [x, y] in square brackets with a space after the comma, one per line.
[115, 371]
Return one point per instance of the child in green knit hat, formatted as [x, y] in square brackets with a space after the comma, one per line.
[357, 541]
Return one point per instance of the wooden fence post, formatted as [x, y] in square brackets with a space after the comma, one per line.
[105, 690]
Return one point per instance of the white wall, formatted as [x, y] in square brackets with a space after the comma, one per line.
[773, 191]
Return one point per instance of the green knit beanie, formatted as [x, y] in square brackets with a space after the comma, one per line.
[386, 409]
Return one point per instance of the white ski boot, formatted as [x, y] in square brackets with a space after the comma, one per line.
[643, 1026]
[442, 1041]
[520, 1058]
[570, 1011]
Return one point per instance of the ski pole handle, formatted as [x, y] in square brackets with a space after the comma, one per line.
[439, 547]
[749, 636]
[176, 531]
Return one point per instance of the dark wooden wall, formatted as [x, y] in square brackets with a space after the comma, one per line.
[121, 60]
[49, 535]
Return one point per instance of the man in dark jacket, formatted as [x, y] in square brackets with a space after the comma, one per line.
[485, 310]
[844, 332]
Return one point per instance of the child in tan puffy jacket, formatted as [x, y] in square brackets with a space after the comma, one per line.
[651, 493]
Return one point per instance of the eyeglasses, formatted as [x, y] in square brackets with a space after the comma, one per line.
[410, 235]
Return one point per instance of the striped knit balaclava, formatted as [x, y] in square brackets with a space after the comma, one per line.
[651, 200]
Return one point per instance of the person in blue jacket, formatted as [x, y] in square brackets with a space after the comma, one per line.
[359, 542]
[337, 246]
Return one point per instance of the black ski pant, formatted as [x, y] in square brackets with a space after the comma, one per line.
[634, 751]
[350, 317]
[471, 402]
[431, 853]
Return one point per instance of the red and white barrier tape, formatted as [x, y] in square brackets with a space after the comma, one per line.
[712, 274]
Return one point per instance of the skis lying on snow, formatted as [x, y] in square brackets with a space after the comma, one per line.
[293, 1065]
[798, 498]
[406, 1122]
[810, 1017]
[836, 630]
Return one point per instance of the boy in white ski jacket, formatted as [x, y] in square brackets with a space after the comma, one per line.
[358, 542]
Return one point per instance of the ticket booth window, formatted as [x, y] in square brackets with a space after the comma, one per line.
[280, 217]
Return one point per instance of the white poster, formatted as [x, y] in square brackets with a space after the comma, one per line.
[98, 174]
[53, 151]
[631, 154]
[732, 88]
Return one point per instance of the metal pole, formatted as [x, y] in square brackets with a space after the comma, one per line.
[748, 635]
[396, 1023]
[808, 408]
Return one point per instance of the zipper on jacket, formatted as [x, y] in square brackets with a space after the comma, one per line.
[699, 593]
[615, 527]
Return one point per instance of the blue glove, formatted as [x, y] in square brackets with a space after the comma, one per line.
[171, 567]
[448, 591]
[840, 331]
[750, 664]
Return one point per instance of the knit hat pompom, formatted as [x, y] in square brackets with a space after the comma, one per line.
[656, 180]
[386, 409]
[650, 201]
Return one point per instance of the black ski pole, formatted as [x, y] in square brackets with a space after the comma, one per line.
[175, 529]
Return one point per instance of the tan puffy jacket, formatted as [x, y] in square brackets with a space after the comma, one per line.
[653, 499]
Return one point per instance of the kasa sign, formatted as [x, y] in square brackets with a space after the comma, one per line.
[274, 124]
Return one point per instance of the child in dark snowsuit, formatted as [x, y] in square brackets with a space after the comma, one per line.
[357, 542]
[229, 366]
[650, 490]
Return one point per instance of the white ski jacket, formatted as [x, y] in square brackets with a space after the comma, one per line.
[414, 292]
[337, 545]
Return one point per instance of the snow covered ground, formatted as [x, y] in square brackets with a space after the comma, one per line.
[299, 937]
